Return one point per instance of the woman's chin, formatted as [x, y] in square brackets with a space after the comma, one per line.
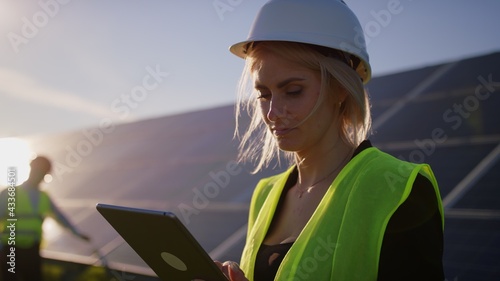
[287, 145]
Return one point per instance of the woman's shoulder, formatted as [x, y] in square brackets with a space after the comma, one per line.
[383, 170]
[367, 154]
[382, 163]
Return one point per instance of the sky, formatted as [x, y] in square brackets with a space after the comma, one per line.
[66, 65]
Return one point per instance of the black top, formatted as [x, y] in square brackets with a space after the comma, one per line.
[412, 248]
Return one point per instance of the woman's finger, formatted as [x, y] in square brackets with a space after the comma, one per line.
[234, 272]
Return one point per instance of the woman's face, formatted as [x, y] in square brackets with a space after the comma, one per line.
[287, 94]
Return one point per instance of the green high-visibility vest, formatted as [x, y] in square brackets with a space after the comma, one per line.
[28, 221]
[343, 238]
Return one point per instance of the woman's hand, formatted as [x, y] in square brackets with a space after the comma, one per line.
[232, 271]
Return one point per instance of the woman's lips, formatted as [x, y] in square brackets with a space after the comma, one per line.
[281, 131]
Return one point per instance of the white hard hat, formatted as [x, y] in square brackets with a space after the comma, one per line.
[327, 23]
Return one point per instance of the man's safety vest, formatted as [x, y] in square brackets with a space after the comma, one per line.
[343, 238]
[24, 227]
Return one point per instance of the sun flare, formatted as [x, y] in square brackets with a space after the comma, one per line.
[15, 155]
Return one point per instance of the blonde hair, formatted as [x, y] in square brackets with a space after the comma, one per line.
[257, 142]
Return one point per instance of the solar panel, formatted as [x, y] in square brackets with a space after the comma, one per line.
[486, 192]
[445, 116]
[467, 73]
[472, 249]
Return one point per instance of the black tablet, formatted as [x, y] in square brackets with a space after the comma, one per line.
[163, 242]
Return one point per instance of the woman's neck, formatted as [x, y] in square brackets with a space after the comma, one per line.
[322, 162]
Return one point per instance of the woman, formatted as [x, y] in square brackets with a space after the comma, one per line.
[344, 210]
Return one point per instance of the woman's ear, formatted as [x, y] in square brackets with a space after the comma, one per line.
[341, 93]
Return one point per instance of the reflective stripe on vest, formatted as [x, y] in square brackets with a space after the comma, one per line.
[343, 238]
[28, 226]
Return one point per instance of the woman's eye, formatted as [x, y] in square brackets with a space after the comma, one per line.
[294, 91]
[263, 96]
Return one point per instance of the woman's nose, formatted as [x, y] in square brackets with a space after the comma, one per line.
[277, 110]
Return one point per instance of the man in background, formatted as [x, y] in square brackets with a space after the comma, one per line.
[21, 222]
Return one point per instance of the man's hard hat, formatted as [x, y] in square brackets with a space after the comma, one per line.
[327, 23]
